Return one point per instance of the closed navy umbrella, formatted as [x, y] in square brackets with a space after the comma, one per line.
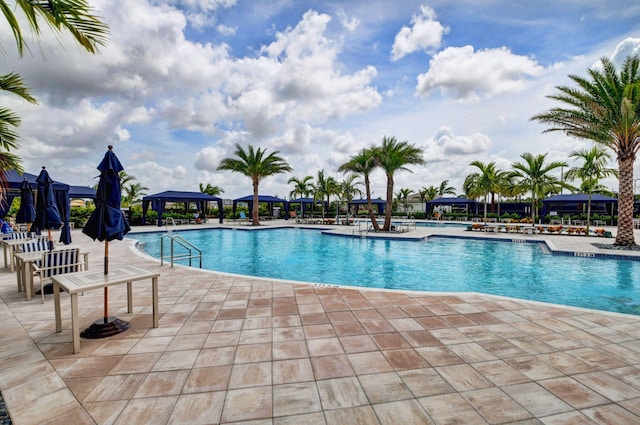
[47, 214]
[107, 223]
[27, 211]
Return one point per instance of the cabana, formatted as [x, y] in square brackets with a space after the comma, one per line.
[159, 201]
[576, 203]
[60, 190]
[269, 200]
[308, 202]
[469, 205]
[379, 203]
[82, 192]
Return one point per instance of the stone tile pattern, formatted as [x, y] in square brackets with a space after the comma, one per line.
[240, 350]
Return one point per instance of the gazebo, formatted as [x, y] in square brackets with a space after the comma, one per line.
[159, 201]
[576, 203]
[61, 192]
[308, 202]
[267, 199]
[379, 203]
[469, 205]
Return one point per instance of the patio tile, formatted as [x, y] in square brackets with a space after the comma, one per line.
[290, 350]
[500, 373]
[496, 406]
[206, 379]
[611, 414]
[425, 382]
[290, 371]
[451, 409]
[608, 386]
[536, 399]
[353, 415]
[406, 358]
[159, 384]
[247, 404]
[198, 409]
[406, 412]
[324, 347]
[215, 356]
[357, 343]
[384, 387]
[573, 392]
[341, 393]
[251, 353]
[294, 399]
[148, 410]
[369, 362]
[328, 367]
[463, 377]
[250, 375]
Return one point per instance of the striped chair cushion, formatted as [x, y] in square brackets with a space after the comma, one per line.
[60, 262]
[41, 244]
[20, 235]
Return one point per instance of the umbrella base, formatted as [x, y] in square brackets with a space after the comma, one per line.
[105, 327]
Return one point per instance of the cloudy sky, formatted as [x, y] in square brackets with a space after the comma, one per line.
[182, 81]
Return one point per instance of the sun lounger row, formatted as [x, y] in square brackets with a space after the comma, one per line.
[548, 230]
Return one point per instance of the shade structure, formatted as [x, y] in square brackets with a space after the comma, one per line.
[159, 201]
[47, 213]
[105, 224]
[27, 211]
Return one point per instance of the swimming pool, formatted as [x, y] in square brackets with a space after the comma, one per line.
[519, 270]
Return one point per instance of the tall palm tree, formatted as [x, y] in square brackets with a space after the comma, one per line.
[605, 108]
[534, 176]
[256, 165]
[325, 186]
[402, 196]
[393, 156]
[210, 189]
[487, 181]
[593, 169]
[363, 164]
[74, 17]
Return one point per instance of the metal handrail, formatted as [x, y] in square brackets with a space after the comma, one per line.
[173, 223]
[189, 255]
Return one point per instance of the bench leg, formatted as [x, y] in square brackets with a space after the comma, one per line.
[75, 328]
[56, 306]
[129, 297]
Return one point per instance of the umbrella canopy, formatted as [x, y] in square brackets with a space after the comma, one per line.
[107, 222]
[27, 211]
[47, 214]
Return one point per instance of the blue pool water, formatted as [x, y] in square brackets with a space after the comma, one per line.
[516, 270]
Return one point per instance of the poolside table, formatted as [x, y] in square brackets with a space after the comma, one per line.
[77, 282]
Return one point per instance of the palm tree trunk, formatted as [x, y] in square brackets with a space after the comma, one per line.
[624, 236]
[372, 216]
[387, 212]
[254, 214]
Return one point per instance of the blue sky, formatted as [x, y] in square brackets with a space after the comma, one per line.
[182, 82]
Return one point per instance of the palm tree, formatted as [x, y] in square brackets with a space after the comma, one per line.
[348, 188]
[402, 196]
[488, 180]
[325, 186]
[209, 189]
[445, 189]
[255, 165]
[593, 169]
[428, 194]
[535, 178]
[363, 164]
[394, 156]
[605, 108]
[301, 187]
[133, 193]
[74, 17]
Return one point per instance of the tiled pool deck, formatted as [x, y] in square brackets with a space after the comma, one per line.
[234, 349]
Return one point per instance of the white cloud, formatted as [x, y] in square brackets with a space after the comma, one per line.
[425, 34]
[466, 74]
[226, 30]
[452, 144]
[628, 47]
[350, 24]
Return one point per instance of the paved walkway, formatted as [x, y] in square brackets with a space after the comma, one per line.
[234, 349]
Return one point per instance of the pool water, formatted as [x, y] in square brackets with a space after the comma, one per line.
[519, 270]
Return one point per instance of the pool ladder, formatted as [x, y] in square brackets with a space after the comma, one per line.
[192, 251]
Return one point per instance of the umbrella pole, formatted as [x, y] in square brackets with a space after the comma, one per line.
[106, 272]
